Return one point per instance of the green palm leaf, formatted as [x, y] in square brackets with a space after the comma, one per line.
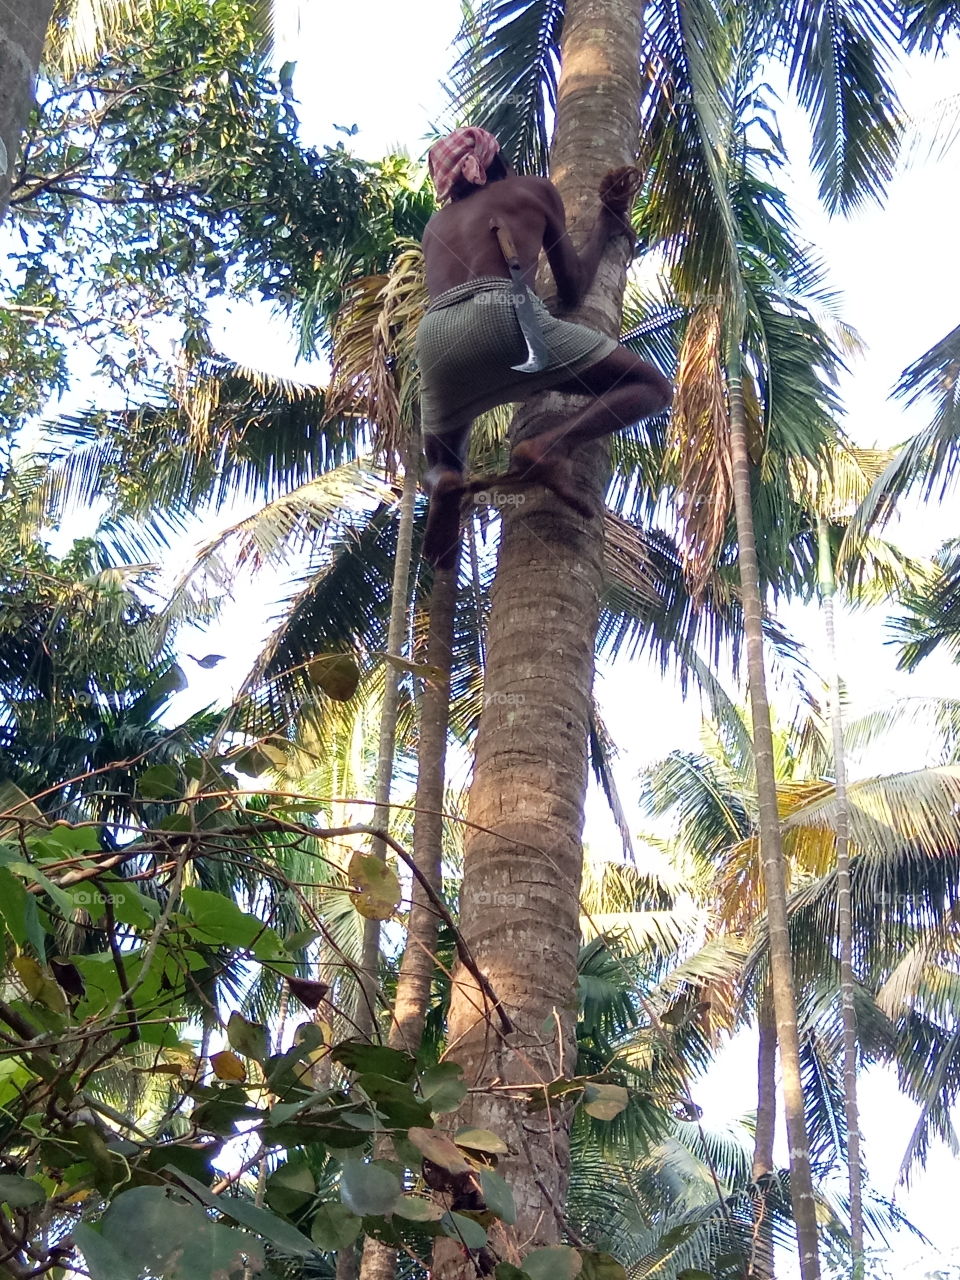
[506, 77]
[839, 54]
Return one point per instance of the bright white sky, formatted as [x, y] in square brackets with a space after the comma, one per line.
[367, 63]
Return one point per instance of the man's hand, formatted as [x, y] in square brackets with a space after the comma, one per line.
[618, 189]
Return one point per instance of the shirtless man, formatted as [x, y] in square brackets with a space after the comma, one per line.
[470, 336]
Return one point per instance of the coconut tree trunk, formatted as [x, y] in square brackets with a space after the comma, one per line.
[762, 1255]
[523, 856]
[828, 588]
[23, 28]
[771, 850]
[418, 965]
[370, 952]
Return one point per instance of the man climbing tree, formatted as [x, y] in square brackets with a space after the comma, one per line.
[481, 251]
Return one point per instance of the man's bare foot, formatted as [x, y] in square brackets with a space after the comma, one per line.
[539, 461]
[442, 536]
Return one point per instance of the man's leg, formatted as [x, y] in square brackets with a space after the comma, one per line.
[446, 458]
[623, 388]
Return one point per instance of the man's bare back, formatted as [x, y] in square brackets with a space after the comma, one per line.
[461, 249]
[458, 245]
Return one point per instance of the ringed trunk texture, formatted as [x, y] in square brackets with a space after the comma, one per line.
[771, 849]
[23, 28]
[519, 911]
[366, 1019]
[848, 1010]
[418, 964]
[762, 1255]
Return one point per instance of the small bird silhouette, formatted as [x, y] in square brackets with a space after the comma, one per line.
[208, 660]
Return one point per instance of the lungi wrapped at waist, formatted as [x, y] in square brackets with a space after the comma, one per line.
[469, 338]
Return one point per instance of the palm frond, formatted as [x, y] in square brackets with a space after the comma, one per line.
[838, 53]
[683, 129]
[506, 77]
[232, 432]
[932, 617]
[930, 459]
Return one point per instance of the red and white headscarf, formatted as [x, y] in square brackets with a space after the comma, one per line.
[465, 153]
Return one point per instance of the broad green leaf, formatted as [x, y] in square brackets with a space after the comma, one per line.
[604, 1101]
[601, 1266]
[359, 1056]
[443, 1087]
[417, 1209]
[19, 912]
[369, 1188]
[395, 1100]
[467, 1230]
[249, 1038]
[379, 889]
[497, 1196]
[130, 906]
[222, 921]
[104, 1261]
[20, 1192]
[334, 1227]
[261, 1221]
[290, 1187]
[160, 782]
[481, 1140]
[180, 822]
[438, 1148]
[39, 985]
[557, 1263]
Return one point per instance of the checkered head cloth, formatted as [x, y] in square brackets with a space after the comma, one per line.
[465, 153]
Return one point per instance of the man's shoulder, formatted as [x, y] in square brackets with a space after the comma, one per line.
[531, 182]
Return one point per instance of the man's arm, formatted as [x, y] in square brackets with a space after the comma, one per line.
[574, 272]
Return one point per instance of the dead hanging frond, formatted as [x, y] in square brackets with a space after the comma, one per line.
[627, 559]
[700, 446]
[374, 364]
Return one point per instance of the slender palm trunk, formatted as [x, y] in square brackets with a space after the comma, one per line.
[771, 850]
[519, 901]
[828, 588]
[370, 952]
[418, 965]
[762, 1257]
[23, 28]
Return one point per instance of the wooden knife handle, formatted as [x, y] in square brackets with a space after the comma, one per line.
[505, 240]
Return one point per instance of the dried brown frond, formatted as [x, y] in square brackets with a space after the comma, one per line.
[374, 363]
[700, 445]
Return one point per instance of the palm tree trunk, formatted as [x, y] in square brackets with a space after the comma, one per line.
[370, 952]
[762, 1258]
[519, 901]
[828, 588]
[771, 850]
[418, 965]
[23, 28]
